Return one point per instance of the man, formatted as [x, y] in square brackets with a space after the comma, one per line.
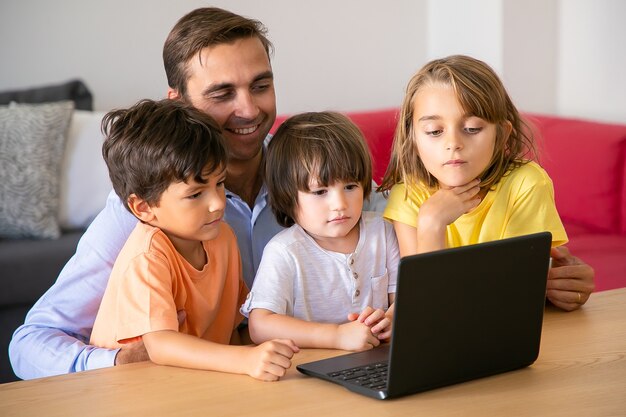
[219, 62]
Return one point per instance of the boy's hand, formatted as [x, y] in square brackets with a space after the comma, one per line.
[355, 336]
[376, 319]
[270, 360]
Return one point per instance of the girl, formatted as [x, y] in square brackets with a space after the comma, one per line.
[327, 281]
[460, 172]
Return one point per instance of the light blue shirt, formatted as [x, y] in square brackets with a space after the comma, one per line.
[54, 338]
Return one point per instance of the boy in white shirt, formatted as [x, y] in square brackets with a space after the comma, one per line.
[329, 280]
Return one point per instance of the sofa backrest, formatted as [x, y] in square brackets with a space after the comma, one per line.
[585, 159]
[378, 127]
[587, 163]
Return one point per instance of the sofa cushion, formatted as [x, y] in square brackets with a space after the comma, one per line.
[85, 183]
[32, 142]
[74, 90]
[586, 163]
[605, 254]
[378, 127]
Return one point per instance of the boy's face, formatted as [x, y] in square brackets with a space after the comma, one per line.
[330, 214]
[191, 211]
[454, 147]
[234, 84]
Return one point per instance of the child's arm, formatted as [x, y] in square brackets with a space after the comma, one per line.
[441, 209]
[265, 325]
[268, 361]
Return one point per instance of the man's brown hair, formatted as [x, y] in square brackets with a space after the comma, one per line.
[200, 28]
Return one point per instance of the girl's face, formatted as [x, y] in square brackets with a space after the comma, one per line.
[455, 147]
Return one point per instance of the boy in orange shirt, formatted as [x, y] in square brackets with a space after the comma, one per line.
[167, 162]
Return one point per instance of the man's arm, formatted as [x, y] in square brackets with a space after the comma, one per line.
[54, 338]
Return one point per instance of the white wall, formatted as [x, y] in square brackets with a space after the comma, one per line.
[562, 57]
[344, 55]
[592, 59]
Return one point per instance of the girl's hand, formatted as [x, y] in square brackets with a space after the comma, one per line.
[269, 361]
[448, 204]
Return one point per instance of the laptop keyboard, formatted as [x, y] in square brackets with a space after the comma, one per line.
[372, 376]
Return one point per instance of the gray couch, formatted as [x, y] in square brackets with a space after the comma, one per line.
[25, 279]
[28, 267]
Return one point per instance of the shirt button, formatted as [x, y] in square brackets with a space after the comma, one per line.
[352, 261]
[355, 275]
[357, 293]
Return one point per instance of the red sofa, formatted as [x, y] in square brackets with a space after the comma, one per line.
[587, 163]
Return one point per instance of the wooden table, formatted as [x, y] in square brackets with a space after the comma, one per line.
[581, 371]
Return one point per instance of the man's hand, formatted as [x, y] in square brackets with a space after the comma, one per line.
[570, 280]
[131, 353]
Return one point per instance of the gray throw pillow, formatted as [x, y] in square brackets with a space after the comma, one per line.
[32, 142]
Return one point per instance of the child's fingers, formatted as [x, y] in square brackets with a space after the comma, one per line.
[285, 347]
[381, 325]
[374, 317]
[365, 314]
[273, 371]
[385, 335]
[353, 316]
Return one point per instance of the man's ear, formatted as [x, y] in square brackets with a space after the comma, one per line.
[173, 94]
[140, 208]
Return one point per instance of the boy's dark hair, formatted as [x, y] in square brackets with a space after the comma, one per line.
[325, 146]
[152, 144]
[200, 28]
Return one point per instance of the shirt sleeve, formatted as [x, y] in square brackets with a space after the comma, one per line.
[273, 286]
[534, 210]
[401, 207]
[144, 301]
[53, 340]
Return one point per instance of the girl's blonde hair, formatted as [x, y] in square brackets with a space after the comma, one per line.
[480, 93]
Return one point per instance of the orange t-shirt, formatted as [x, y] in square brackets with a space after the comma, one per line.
[150, 282]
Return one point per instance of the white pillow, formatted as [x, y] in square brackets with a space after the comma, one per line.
[85, 181]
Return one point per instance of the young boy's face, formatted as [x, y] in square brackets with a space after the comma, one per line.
[330, 214]
[192, 211]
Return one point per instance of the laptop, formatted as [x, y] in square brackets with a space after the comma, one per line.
[460, 314]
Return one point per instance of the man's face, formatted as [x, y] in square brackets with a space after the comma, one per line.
[234, 84]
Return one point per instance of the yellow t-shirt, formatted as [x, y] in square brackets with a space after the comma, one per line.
[521, 203]
[151, 281]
